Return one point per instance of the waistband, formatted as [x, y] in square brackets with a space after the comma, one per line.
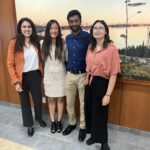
[32, 71]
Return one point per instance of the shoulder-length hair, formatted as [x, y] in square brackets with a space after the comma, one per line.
[47, 42]
[20, 39]
[106, 37]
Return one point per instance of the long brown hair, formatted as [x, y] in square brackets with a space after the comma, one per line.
[47, 42]
[20, 39]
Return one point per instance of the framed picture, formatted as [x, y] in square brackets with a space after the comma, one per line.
[128, 21]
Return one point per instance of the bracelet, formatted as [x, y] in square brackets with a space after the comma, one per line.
[108, 95]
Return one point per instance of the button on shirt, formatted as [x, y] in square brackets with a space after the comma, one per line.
[77, 47]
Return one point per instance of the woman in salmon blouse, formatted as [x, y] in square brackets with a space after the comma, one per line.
[103, 65]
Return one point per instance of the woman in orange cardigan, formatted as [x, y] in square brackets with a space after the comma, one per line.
[25, 69]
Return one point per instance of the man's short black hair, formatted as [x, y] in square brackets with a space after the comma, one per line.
[73, 13]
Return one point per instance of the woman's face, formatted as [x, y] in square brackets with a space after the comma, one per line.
[54, 30]
[26, 29]
[99, 31]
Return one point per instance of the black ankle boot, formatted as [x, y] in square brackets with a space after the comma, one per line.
[53, 127]
[59, 126]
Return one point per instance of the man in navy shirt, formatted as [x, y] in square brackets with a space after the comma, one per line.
[77, 44]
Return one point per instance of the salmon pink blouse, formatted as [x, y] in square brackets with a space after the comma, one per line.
[103, 63]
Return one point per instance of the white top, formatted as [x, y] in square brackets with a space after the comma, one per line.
[31, 61]
[52, 64]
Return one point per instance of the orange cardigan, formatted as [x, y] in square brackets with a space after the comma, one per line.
[15, 62]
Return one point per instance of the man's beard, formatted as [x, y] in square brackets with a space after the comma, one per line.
[75, 28]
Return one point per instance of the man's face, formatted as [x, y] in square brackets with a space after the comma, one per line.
[74, 23]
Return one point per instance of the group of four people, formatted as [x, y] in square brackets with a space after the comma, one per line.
[85, 62]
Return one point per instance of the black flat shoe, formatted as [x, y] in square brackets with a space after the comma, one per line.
[105, 146]
[53, 127]
[42, 124]
[90, 141]
[59, 126]
[82, 135]
[69, 129]
[30, 132]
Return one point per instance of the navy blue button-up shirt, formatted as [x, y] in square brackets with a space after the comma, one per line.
[77, 46]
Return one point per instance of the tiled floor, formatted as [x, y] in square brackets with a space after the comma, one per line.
[13, 135]
[7, 145]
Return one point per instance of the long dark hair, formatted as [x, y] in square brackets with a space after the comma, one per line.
[47, 42]
[20, 39]
[106, 37]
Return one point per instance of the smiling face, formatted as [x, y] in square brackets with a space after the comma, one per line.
[99, 31]
[54, 31]
[74, 23]
[26, 29]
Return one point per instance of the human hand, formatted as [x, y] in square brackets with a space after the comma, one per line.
[18, 88]
[105, 100]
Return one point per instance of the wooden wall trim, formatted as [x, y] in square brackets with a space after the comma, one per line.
[134, 82]
[15, 15]
[135, 110]
[7, 31]
[3, 85]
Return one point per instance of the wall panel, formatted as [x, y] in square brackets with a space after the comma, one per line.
[7, 31]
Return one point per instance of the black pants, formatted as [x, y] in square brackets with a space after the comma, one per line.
[31, 83]
[96, 115]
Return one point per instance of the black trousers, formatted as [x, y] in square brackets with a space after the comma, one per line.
[96, 115]
[31, 83]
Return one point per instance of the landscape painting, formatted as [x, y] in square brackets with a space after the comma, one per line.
[128, 20]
